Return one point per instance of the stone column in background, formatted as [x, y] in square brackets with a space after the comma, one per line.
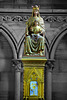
[17, 68]
[49, 67]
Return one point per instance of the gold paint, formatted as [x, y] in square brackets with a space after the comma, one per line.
[34, 35]
[38, 70]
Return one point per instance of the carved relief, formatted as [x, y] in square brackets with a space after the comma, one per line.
[50, 65]
[26, 17]
[16, 64]
[33, 74]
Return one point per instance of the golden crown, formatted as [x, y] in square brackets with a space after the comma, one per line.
[35, 7]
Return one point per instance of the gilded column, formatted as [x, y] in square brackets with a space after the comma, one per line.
[49, 67]
[17, 68]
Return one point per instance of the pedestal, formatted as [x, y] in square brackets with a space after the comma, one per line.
[33, 70]
[33, 77]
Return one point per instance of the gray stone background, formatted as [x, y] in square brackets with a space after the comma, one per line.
[13, 16]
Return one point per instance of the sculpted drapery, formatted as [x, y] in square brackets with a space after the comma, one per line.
[34, 35]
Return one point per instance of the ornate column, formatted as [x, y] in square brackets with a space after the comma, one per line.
[49, 67]
[17, 68]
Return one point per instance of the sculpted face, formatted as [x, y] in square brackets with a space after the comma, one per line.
[36, 23]
[35, 12]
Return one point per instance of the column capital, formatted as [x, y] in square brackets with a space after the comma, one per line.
[50, 64]
[16, 64]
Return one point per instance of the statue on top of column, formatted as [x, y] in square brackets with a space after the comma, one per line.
[34, 35]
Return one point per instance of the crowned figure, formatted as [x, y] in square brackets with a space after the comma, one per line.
[34, 34]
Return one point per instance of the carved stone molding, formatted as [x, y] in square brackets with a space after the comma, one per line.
[21, 18]
[14, 18]
[16, 64]
[50, 65]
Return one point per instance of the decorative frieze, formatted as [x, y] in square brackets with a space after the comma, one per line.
[14, 18]
[26, 17]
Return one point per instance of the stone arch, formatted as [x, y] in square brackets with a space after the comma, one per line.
[7, 53]
[58, 52]
[56, 41]
[21, 47]
[7, 33]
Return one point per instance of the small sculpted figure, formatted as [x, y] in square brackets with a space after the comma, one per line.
[34, 35]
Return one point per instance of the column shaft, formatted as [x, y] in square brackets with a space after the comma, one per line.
[49, 67]
[17, 85]
[17, 68]
[49, 85]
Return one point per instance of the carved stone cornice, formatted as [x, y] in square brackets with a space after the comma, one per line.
[21, 18]
[16, 64]
[50, 65]
[14, 18]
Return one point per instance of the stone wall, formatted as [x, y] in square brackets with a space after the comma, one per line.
[12, 29]
[6, 73]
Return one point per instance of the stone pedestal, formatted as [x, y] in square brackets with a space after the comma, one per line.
[33, 72]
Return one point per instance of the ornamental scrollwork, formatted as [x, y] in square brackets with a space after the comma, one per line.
[21, 18]
[13, 18]
[60, 19]
[50, 19]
